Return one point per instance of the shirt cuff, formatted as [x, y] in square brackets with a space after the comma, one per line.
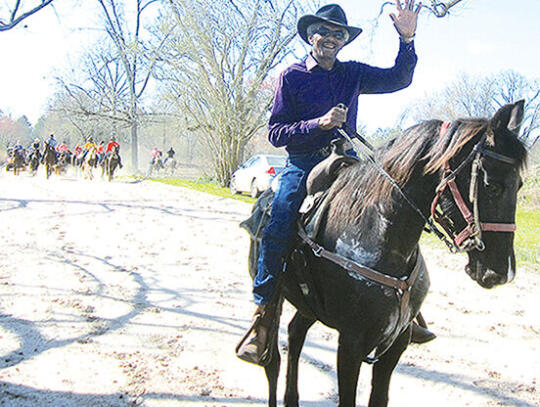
[406, 40]
[404, 46]
[312, 125]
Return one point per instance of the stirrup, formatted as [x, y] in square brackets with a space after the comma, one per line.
[266, 354]
[252, 327]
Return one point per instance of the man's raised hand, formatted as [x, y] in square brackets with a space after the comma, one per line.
[407, 16]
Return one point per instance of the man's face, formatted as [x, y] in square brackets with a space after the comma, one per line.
[328, 40]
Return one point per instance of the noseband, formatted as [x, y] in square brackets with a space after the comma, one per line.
[470, 238]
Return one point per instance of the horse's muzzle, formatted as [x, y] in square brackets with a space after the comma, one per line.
[488, 278]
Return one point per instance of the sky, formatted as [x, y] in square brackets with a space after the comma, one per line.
[480, 37]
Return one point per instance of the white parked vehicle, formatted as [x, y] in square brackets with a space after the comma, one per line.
[257, 174]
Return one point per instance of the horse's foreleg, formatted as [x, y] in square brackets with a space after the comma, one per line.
[298, 328]
[272, 373]
[349, 360]
[382, 370]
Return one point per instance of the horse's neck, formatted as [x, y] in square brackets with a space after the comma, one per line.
[386, 235]
[405, 223]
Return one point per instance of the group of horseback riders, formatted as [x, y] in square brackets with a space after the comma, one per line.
[101, 150]
[157, 161]
[60, 153]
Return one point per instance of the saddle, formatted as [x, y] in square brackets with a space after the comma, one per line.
[312, 212]
[318, 182]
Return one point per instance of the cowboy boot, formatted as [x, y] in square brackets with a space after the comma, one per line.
[254, 343]
[420, 333]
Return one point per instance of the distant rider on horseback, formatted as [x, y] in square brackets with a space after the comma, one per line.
[307, 110]
[62, 148]
[52, 141]
[156, 158]
[170, 155]
[89, 146]
[18, 147]
[109, 149]
[35, 149]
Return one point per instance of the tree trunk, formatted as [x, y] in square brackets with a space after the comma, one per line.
[228, 158]
[134, 146]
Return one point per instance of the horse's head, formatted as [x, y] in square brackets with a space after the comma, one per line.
[480, 207]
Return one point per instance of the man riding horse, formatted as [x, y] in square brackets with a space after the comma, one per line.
[111, 145]
[310, 103]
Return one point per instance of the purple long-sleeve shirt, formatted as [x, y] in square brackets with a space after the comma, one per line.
[306, 92]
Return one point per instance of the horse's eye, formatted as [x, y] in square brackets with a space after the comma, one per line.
[493, 189]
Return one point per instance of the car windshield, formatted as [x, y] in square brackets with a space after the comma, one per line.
[277, 161]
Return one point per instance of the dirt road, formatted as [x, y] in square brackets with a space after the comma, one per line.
[135, 294]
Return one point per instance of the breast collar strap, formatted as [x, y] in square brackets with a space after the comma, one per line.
[402, 286]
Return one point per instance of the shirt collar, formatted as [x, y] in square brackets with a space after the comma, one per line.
[311, 63]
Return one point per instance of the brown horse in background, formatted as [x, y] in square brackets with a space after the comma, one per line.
[18, 162]
[49, 159]
[111, 163]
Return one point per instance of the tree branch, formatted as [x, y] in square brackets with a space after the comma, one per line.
[14, 20]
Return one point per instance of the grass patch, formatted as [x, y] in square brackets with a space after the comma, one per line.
[526, 244]
[206, 186]
[527, 238]
[529, 195]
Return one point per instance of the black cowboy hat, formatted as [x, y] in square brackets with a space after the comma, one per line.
[331, 13]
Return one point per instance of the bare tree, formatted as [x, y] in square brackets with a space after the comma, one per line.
[12, 131]
[473, 96]
[217, 64]
[100, 88]
[137, 53]
[17, 12]
[75, 113]
[512, 86]
[441, 8]
[437, 8]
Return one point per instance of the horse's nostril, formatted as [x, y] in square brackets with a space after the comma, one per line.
[491, 278]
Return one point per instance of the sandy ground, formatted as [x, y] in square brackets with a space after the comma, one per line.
[135, 294]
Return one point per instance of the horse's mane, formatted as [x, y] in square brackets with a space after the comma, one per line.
[420, 150]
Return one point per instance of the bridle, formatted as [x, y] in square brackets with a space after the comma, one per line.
[470, 237]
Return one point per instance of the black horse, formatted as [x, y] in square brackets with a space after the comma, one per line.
[111, 163]
[49, 159]
[33, 161]
[370, 228]
[18, 161]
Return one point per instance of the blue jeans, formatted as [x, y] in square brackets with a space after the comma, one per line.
[278, 235]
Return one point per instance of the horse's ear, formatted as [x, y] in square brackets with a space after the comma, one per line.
[509, 117]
